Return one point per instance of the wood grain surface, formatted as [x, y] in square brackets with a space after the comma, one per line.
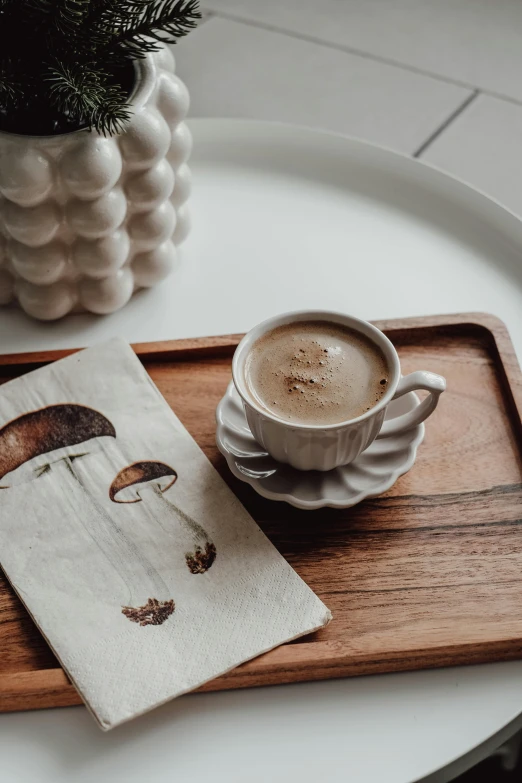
[429, 574]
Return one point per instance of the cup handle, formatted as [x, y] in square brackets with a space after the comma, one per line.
[420, 379]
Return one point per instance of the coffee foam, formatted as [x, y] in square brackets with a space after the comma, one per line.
[316, 372]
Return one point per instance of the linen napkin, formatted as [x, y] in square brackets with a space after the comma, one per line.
[140, 567]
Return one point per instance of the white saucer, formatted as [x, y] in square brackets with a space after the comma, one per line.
[371, 474]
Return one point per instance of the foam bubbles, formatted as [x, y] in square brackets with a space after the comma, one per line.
[316, 373]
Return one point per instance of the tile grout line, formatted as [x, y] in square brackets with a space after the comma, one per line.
[441, 128]
[339, 47]
[365, 55]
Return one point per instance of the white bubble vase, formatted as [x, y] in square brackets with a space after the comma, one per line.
[86, 220]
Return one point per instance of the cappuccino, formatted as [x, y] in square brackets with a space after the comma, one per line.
[315, 373]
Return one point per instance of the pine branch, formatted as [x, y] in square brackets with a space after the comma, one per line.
[87, 95]
[107, 18]
[66, 63]
[70, 12]
[145, 28]
[56, 22]
[112, 114]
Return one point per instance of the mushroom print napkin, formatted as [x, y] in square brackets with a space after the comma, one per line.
[142, 570]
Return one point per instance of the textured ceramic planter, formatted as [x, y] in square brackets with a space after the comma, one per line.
[85, 220]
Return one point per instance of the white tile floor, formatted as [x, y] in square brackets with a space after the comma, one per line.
[440, 79]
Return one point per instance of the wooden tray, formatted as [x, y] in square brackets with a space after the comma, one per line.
[429, 574]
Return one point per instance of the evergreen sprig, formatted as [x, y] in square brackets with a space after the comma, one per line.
[88, 93]
[66, 64]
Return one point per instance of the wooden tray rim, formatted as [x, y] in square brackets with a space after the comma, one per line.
[51, 687]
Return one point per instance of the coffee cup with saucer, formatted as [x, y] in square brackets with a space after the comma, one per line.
[317, 465]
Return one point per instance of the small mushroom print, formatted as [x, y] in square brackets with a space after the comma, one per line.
[159, 477]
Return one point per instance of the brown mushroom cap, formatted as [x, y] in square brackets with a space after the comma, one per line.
[47, 429]
[140, 473]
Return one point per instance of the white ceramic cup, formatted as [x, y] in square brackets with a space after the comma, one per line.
[320, 447]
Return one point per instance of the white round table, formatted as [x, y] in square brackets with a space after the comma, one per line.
[285, 219]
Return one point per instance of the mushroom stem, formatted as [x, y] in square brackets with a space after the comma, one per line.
[197, 533]
[124, 556]
[202, 555]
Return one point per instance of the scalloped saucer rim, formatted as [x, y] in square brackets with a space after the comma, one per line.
[231, 406]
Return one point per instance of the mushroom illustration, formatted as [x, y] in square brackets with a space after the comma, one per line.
[51, 439]
[158, 477]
